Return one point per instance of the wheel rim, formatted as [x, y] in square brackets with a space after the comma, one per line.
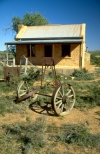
[63, 99]
[22, 89]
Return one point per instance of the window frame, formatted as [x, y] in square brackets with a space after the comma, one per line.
[51, 52]
[66, 50]
[31, 50]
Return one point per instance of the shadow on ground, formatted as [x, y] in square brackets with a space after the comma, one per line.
[45, 108]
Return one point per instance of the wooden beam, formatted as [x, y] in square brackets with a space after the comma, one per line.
[7, 53]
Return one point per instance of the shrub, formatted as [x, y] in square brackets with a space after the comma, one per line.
[82, 74]
[32, 75]
[29, 137]
[95, 94]
[79, 135]
[95, 58]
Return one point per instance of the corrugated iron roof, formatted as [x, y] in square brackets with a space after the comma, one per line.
[51, 31]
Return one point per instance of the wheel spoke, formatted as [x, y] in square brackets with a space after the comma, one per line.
[70, 96]
[24, 87]
[23, 90]
[72, 100]
[60, 93]
[68, 92]
[59, 105]
[59, 98]
[58, 102]
[22, 94]
[62, 107]
[65, 106]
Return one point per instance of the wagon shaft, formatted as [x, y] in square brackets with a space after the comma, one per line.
[25, 96]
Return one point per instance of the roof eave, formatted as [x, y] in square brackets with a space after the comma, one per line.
[44, 41]
[49, 38]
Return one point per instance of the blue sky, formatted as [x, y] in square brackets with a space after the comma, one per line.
[56, 12]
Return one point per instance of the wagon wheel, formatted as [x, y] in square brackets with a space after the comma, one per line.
[63, 99]
[23, 90]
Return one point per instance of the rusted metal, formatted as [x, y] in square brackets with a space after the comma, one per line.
[44, 94]
[48, 62]
[10, 72]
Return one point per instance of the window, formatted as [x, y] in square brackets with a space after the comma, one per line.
[31, 50]
[48, 50]
[66, 50]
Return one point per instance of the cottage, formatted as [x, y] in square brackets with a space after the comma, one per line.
[66, 44]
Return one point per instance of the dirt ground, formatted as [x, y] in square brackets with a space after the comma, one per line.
[88, 118]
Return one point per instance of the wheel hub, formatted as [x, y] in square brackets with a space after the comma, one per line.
[64, 99]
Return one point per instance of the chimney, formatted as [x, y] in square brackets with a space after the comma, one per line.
[20, 26]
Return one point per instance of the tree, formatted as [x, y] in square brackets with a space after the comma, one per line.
[35, 19]
[15, 22]
[29, 19]
[12, 49]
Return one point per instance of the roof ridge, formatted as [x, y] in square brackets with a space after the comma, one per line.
[55, 25]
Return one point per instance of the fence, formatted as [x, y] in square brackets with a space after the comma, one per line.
[4, 61]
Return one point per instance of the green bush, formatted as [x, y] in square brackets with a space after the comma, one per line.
[82, 74]
[74, 134]
[27, 137]
[35, 137]
[32, 75]
[95, 58]
[95, 94]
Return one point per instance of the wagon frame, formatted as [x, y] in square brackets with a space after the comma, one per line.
[62, 98]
